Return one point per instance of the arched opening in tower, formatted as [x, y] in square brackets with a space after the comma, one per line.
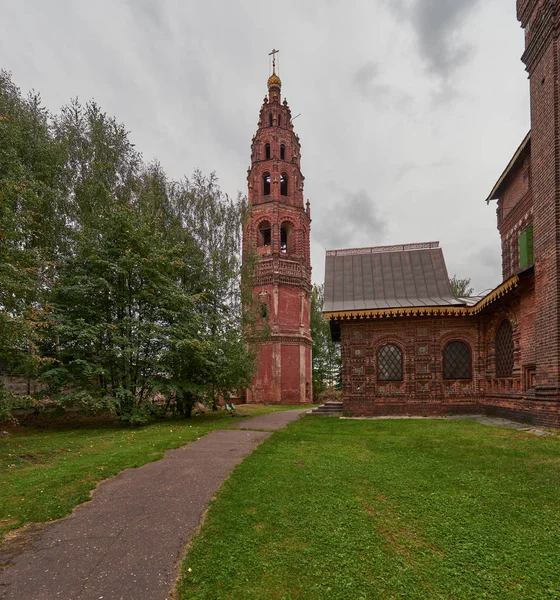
[270, 119]
[284, 184]
[282, 152]
[264, 234]
[285, 235]
[267, 151]
[266, 184]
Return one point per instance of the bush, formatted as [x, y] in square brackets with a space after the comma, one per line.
[10, 400]
[329, 396]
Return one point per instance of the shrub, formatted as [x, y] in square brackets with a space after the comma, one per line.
[329, 396]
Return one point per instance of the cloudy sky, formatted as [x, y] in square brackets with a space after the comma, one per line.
[410, 109]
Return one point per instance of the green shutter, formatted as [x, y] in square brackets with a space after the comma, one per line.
[526, 247]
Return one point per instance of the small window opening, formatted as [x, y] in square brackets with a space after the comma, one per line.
[285, 231]
[279, 120]
[270, 119]
[283, 184]
[264, 310]
[267, 151]
[264, 234]
[283, 240]
[282, 152]
[266, 184]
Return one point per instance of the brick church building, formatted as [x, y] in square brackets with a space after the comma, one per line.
[409, 346]
[279, 230]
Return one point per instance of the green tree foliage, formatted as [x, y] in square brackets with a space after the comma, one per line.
[327, 362]
[123, 285]
[30, 222]
[216, 221]
[460, 287]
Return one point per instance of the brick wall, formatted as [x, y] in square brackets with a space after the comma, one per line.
[541, 20]
[423, 390]
[515, 214]
[21, 385]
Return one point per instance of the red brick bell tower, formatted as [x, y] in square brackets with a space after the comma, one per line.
[279, 231]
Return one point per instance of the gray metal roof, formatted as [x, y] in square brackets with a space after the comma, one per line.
[411, 275]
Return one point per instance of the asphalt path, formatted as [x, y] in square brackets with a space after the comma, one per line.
[128, 541]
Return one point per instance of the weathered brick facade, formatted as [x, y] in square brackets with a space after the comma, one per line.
[279, 230]
[541, 21]
[513, 334]
[422, 391]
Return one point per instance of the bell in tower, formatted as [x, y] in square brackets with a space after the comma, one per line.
[279, 231]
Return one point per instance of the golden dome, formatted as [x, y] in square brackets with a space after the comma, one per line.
[274, 81]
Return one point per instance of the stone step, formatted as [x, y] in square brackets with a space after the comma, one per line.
[330, 409]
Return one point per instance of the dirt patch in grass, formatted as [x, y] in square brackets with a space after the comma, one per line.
[67, 420]
[30, 458]
[18, 540]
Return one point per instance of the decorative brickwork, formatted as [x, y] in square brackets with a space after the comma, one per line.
[418, 387]
[279, 229]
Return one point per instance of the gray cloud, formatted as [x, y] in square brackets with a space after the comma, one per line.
[486, 257]
[148, 12]
[188, 86]
[411, 167]
[367, 81]
[356, 221]
[437, 25]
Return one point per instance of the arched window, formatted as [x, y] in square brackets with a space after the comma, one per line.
[504, 349]
[267, 151]
[264, 234]
[279, 120]
[264, 310]
[282, 152]
[457, 363]
[285, 237]
[270, 119]
[389, 363]
[266, 184]
[284, 184]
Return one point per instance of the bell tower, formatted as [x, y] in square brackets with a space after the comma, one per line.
[279, 230]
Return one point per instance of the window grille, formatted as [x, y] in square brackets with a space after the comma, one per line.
[389, 363]
[457, 363]
[504, 349]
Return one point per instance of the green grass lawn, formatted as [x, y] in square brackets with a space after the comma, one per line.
[46, 471]
[334, 509]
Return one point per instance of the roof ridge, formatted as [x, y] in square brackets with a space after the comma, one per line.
[379, 249]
